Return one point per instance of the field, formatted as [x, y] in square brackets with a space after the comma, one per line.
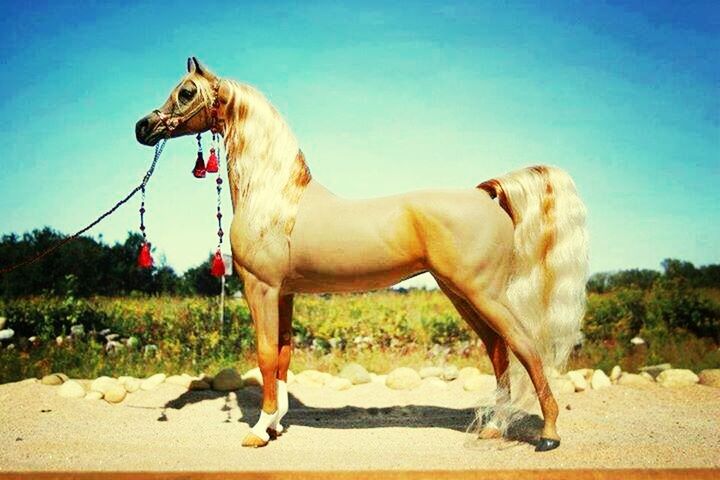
[381, 330]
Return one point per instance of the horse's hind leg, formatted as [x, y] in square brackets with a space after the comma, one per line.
[502, 320]
[285, 308]
[497, 351]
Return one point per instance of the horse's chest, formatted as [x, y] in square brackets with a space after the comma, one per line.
[260, 250]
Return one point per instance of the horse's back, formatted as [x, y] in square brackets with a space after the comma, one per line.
[345, 245]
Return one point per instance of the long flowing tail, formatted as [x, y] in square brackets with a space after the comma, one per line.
[546, 290]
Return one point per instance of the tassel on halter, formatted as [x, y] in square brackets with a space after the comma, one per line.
[218, 265]
[199, 170]
[145, 260]
[212, 163]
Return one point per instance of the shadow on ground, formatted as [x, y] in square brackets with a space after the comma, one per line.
[525, 429]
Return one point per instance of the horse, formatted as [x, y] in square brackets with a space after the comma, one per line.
[510, 253]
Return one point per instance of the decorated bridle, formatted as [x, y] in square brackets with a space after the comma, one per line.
[171, 123]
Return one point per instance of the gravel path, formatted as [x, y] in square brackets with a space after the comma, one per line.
[366, 427]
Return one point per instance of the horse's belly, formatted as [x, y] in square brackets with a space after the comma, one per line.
[346, 250]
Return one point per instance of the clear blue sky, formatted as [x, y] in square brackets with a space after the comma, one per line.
[383, 98]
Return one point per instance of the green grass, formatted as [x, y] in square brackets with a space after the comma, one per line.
[380, 330]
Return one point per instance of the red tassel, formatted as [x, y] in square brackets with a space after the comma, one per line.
[145, 260]
[199, 170]
[218, 266]
[212, 164]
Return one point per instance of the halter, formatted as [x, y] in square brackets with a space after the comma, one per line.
[171, 123]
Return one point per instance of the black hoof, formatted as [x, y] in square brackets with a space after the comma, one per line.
[546, 444]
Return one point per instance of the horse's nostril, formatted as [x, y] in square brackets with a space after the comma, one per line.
[142, 126]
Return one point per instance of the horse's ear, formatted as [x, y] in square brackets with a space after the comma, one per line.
[195, 66]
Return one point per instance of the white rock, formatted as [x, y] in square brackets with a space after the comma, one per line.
[253, 377]
[338, 383]
[637, 341]
[467, 373]
[226, 380]
[648, 376]
[586, 372]
[655, 370]
[435, 383]
[615, 373]
[290, 377]
[59, 340]
[403, 378]
[562, 385]
[480, 382]
[132, 385]
[599, 380]
[356, 373]
[71, 389]
[710, 377]
[93, 396]
[378, 378]
[7, 334]
[635, 380]
[578, 380]
[152, 382]
[677, 377]
[115, 394]
[313, 378]
[179, 380]
[450, 373]
[54, 379]
[103, 384]
[427, 372]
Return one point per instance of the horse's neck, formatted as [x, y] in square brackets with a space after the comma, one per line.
[267, 175]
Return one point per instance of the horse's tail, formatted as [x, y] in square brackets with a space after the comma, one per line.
[546, 289]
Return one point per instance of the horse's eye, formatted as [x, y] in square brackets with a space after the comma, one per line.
[186, 94]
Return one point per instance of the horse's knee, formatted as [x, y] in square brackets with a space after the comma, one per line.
[267, 357]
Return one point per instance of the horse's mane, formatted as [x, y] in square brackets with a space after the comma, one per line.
[266, 168]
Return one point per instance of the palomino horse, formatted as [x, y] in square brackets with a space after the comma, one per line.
[510, 254]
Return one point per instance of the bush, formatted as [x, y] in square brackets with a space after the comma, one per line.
[617, 316]
[674, 305]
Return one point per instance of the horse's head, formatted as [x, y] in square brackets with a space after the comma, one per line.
[188, 109]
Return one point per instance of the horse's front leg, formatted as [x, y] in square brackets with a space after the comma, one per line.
[263, 302]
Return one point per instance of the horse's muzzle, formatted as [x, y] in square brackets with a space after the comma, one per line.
[146, 130]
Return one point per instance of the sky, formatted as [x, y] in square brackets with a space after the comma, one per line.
[384, 98]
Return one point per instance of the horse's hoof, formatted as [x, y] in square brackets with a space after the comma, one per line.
[252, 440]
[488, 433]
[274, 434]
[546, 444]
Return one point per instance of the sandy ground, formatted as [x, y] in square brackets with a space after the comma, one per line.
[366, 427]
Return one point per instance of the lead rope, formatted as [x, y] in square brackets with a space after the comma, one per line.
[158, 150]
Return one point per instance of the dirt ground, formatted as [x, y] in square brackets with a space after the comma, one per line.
[366, 427]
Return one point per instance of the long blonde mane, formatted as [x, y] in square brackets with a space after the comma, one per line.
[266, 168]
